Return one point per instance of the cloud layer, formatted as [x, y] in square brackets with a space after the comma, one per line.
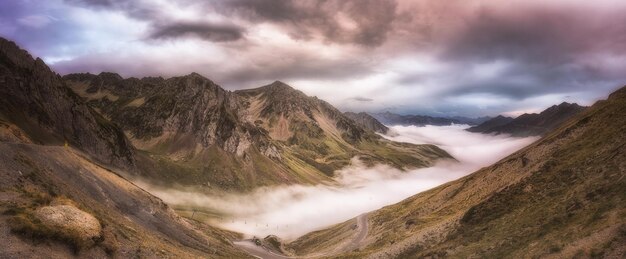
[291, 211]
[436, 57]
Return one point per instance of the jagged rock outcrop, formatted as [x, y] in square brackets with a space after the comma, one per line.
[367, 121]
[530, 124]
[36, 100]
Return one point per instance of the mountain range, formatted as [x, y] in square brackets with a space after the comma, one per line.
[389, 118]
[188, 130]
[530, 124]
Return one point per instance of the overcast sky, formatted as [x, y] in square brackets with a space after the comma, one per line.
[472, 58]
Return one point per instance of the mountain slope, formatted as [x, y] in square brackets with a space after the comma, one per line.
[36, 101]
[366, 121]
[531, 124]
[562, 196]
[190, 131]
[131, 222]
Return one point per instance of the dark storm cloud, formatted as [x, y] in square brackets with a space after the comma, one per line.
[297, 66]
[362, 22]
[206, 31]
[543, 35]
[133, 8]
[545, 51]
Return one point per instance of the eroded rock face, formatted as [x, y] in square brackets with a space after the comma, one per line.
[181, 113]
[67, 218]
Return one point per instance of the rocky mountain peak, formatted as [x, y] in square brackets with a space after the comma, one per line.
[110, 76]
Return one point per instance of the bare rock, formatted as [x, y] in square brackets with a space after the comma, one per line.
[67, 218]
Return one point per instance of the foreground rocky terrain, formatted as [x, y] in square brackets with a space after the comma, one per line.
[563, 196]
[56, 203]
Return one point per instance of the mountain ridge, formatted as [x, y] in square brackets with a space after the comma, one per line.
[530, 124]
[272, 134]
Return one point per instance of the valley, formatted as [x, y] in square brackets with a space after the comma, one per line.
[312, 129]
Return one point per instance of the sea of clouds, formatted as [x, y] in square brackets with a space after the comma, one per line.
[291, 211]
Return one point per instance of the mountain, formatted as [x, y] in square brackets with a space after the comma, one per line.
[561, 197]
[36, 106]
[311, 130]
[367, 121]
[62, 200]
[389, 118]
[531, 124]
[470, 121]
[491, 124]
[190, 131]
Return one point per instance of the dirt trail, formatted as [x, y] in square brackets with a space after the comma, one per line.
[249, 246]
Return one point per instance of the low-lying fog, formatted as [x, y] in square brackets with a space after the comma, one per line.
[291, 211]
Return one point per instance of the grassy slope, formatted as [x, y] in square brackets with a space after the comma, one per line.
[135, 223]
[563, 196]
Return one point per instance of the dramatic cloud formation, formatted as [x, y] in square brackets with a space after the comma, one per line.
[207, 31]
[291, 211]
[441, 58]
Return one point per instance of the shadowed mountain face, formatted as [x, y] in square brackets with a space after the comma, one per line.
[491, 124]
[36, 106]
[193, 132]
[530, 124]
[367, 121]
[562, 197]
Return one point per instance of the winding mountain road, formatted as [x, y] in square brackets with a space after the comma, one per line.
[258, 251]
[355, 243]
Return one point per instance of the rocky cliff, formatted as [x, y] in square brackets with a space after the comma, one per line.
[37, 101]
